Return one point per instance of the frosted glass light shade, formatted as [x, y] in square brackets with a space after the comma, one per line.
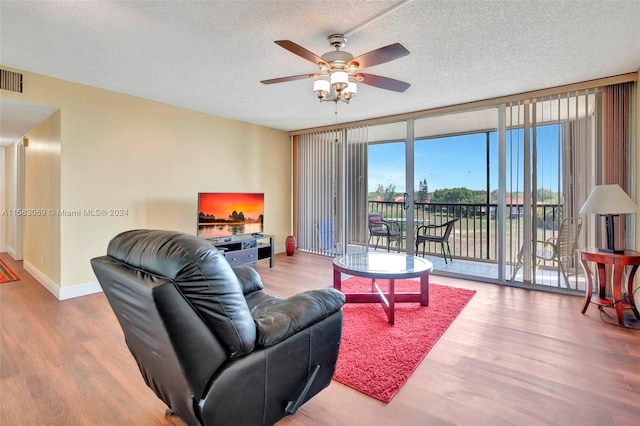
[322, 85]
[608, 199]
[339, 78]
[351, 88]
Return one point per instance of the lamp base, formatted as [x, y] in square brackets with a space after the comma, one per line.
[608, 250]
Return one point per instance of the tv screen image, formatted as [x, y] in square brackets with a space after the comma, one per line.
[221, 214]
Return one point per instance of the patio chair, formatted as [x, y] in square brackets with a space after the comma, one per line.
[437, 234]
[560, 249]
[380, 228]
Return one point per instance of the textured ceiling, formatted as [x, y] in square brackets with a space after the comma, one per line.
[210, 55]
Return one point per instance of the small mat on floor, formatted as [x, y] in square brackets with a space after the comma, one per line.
[6, 274]
[377, 358]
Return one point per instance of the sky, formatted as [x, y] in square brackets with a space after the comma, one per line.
[460, 161]
[222, 204]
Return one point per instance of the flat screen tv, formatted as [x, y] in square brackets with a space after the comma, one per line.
[221, 214]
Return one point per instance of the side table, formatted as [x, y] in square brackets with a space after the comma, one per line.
[618, 261]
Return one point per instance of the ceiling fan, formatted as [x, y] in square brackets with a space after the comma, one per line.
[340, 71]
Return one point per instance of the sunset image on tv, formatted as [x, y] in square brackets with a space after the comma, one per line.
[221, 214]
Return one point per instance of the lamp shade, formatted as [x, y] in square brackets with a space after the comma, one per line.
[339, 78]
[321, 85]
[608, 199]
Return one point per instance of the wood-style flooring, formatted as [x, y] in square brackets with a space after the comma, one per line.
[512, 357]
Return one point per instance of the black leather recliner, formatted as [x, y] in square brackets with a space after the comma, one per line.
[208, 341]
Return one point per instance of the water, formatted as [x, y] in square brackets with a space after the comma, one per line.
[225, 230]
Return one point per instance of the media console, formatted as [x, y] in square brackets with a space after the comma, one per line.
[246, 248]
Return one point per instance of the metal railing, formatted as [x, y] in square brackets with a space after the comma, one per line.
[474, 235]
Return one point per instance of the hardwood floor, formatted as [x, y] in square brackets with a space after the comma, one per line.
[512, 356]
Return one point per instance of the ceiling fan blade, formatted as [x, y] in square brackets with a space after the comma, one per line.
[300, 51]
[290, 78]
[381, 55]
[382, 82]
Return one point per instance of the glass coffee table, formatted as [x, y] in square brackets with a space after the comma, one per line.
[389, 266]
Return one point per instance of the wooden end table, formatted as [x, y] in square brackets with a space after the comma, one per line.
[618, 261]
[389, 266]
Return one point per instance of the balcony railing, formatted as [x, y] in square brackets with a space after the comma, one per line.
[474, 235]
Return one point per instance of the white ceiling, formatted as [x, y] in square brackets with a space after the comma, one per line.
[211, 55]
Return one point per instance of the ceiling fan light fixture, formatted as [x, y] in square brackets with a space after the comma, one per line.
[339, 80]
[321, 88]
[350, 91]
[338, 76]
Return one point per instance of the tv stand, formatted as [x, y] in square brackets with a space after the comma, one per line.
[246, 248]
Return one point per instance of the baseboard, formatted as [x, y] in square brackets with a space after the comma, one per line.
[61, 293]
[43, 279]
[12, 253]
[80, 290]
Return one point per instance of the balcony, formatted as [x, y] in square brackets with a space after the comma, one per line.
[473, 242]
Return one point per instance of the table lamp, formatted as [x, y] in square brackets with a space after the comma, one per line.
[609, 201]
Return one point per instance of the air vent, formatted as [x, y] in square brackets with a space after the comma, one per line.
[11, 81]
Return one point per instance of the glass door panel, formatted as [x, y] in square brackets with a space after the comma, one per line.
[455, 178]
[545, 139]
[386, 181]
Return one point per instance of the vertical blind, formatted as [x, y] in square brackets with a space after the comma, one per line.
[316, 191]
[330, 194]
[616, 151]
[551, 144]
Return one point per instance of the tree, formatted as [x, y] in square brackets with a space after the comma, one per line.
[458, 196]
[546, 196]
[379, 192]
[389, 193]
[494, 196]
[422, 194]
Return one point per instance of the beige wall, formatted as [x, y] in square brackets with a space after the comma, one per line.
[3, 226]
[146, 159]
[13, 244]
[42, 194]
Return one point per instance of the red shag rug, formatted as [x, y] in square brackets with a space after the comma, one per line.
[377, 358]
[6, 274]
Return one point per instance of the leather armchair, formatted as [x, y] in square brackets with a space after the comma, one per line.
[208, 340]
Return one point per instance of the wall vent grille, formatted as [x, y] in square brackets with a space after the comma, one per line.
[11, 81]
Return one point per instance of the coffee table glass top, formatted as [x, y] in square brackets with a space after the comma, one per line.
[383, 263]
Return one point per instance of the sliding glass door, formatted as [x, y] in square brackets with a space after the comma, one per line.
[455, 178]
[387, 181]
[330, 190]
[549, 143]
